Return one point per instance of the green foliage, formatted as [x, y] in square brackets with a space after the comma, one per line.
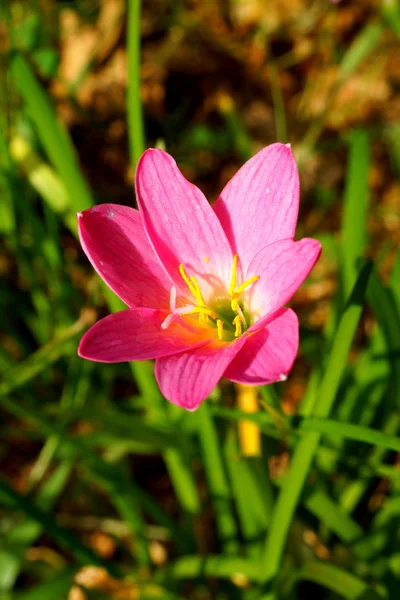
[77, 439]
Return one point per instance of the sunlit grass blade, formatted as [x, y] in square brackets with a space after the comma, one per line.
[43, 179]
[355, 209]
[7, 216]
[363, 45]
[335, 579]
[252, 499]
[390, 11]
[307, 446]
[52, 134]
[219, 566]
[217, 480]
[352, 432]
[134, 102]
[177, 459]
[332, 516]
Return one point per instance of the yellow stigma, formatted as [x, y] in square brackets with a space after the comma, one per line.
[220, 328]
[237, 322]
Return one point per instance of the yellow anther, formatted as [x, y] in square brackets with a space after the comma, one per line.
[202, 311]
[240, 289]
[237, 321]
[246, 284]
[220, 328]
[206, 259]
[194, 287]
[235, 293]
[187, 280]
[197, 291]
[233, 276]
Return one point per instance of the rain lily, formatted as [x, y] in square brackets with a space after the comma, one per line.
[205, 286]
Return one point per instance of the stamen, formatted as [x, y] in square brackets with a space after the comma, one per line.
[233, 276]
[235, 293]
[187, 280]
[220, 328]
[197, 293]
[237, 321]
[201, 310]
[241, 315]
[246, 284]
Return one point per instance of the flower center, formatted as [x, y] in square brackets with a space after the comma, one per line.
[227, 315]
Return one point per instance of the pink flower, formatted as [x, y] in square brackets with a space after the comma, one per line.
[205, 286]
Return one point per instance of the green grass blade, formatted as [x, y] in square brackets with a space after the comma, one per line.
[383, 302]
[364, 44]
[351, 432]
[52, 134]
[335, 579]
[390, 12]
[25, 532]
[252, 499]
[182, 480]
[134, 102]
[307, 446]
[220, 566]
[56, 588]
[332, 516]
[355, 210]
[217, 480]
[42, 358]
[122, 489]
[65, 538]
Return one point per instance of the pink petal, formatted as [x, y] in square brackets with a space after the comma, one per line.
[136, 334]
[268, 355]
[180, 223]
[259, 205]
[282, 268]
[116, 244]
[187, 379]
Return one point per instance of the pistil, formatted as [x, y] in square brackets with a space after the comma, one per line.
[204, 313]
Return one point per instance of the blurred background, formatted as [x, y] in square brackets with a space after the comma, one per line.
[107, 491]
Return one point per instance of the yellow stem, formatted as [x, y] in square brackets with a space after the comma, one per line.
[249, 433]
